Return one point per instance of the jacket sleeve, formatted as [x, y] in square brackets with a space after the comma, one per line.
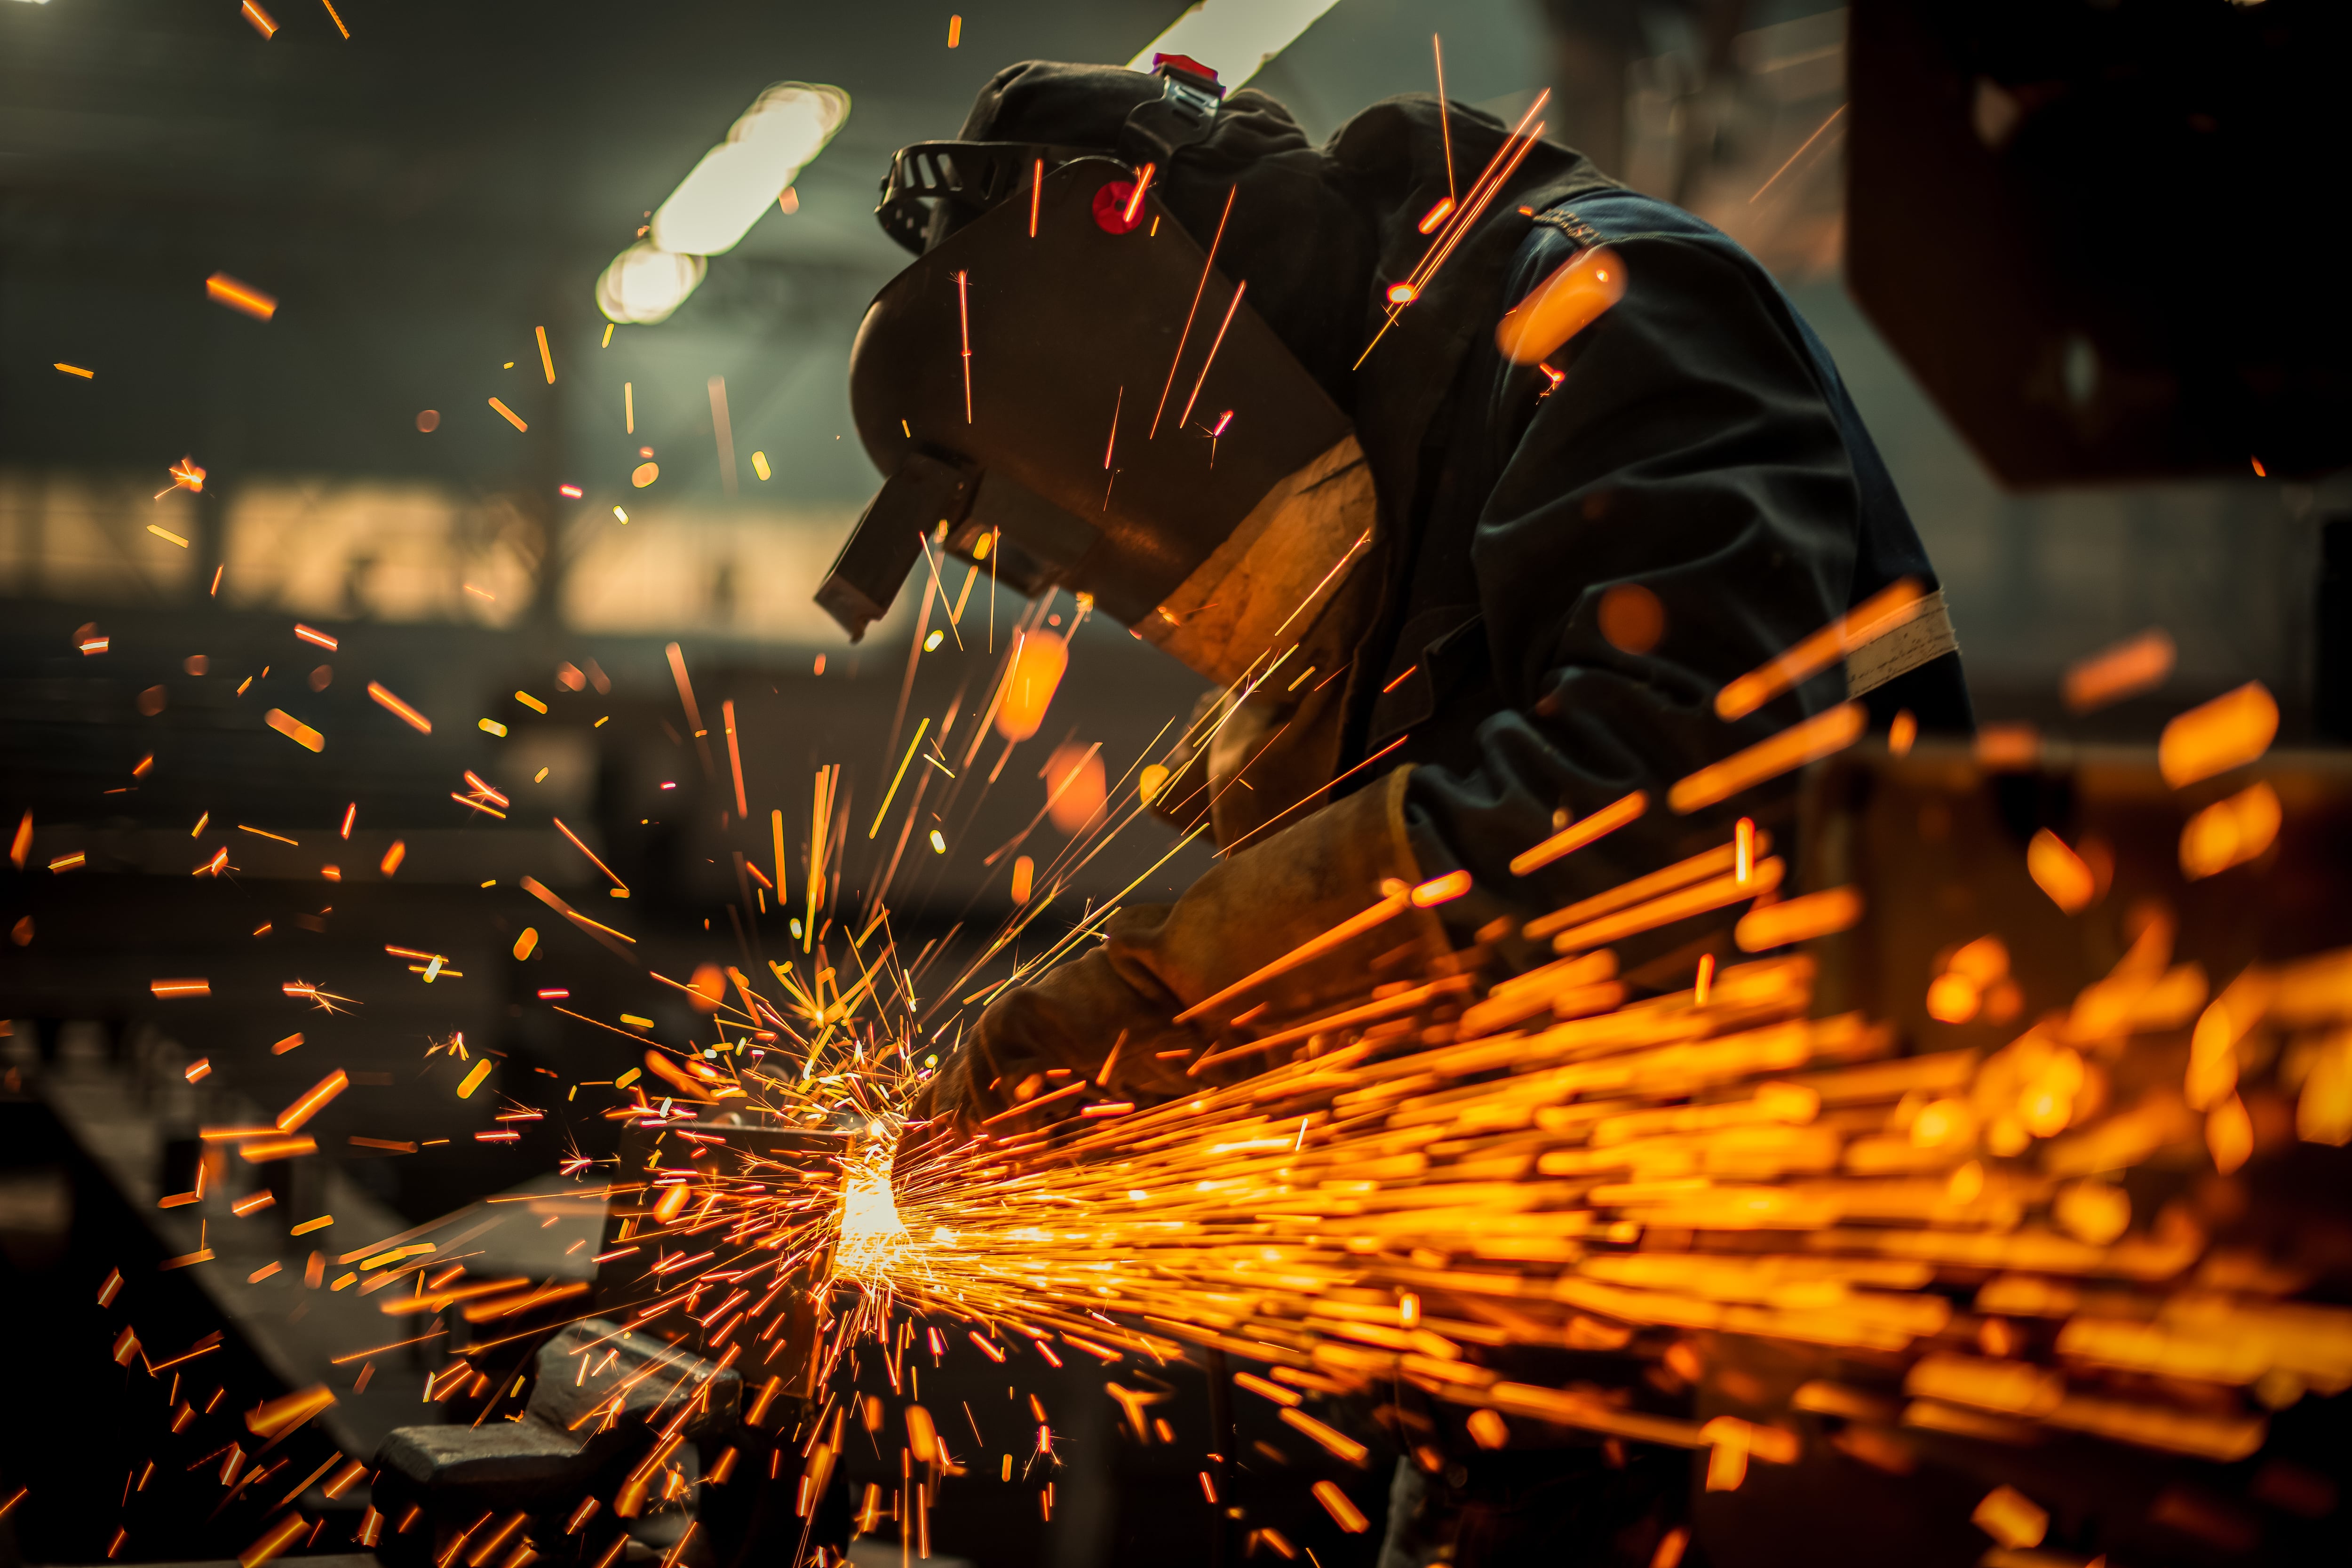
[1690, 452]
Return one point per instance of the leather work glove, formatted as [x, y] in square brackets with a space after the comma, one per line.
[1109, 1015]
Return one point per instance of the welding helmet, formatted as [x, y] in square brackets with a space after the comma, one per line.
[1066, 389]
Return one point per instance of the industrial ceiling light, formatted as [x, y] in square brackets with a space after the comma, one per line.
[719, 200]
[645, 283]
[1233, 38]
[716, 206]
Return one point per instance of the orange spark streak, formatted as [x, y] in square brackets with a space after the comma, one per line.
[312, 1103]
[1497, 174]
[1342, 1508]
[1277, 816]
[1893, 606]
[260, 1151]
[1338, 1442]
[1207, 266]
[392, 704]
[1445, 131]
[1135, 197]
[899, 777]
[1669, 908]
[1202, 380]
[963, 318]
[1575, 836]
[2231, 832]
[592, 854]
[734, 757]
[294, 730]
[1799, 920]
[239, 296]
[2058, 871]
[1578, 293]
[1386, 1007]
[2129, 667]
[1344, 932]
[278, 1537]
[676, 656]
[1799, 152]
[2232, 730]
[538, 889]
[1794, 747]
[1044, 1099]
[776, 828]
[288, 1410]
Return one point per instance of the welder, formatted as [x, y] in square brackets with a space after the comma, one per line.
[1249, 397]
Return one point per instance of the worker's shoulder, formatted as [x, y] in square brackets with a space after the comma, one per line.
[1679, 255]
[1680, 271]
[1616, 216]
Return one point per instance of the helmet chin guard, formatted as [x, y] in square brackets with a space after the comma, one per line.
[1089, 395]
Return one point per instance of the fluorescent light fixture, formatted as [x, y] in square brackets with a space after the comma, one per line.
[717, 203]
[1234, 38]
[645, 283]
[716, 206]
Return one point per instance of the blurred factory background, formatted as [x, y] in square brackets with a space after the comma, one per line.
[430, 455]
[421, 201]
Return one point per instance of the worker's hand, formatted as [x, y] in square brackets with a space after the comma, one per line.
[1106, 1019]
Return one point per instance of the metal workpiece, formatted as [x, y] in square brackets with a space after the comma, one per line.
[638, 1433]
[609, 1409]
[661, 1427]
